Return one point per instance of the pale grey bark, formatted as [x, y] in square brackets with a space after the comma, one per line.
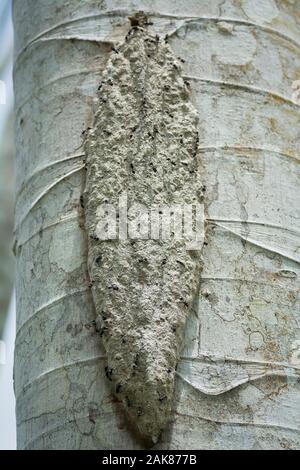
[238, 380]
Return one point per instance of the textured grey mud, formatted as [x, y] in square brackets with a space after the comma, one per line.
[143, 142]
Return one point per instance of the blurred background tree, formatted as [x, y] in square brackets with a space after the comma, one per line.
[7, 305]
[6, 163]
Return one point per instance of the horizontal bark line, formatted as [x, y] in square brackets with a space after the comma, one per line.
[252, 241]
[276, 150]
[211, 359]
[209, 219]
[226, 375]
[247, 88]
[47, 167]
[240, 360]
[46, 373]
[151, 15]
[200, 148]
[240, 148]
[210, 420]
[244, 281]
[231, 386]
[195, 417]
[20, 219]
[254, 222]
[242, 86]
[18, 244]
[84, 290]
[57, 427]
[241, 423]
[52, 82]
[46, 306]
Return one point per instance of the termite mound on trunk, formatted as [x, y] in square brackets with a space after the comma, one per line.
[143, 148]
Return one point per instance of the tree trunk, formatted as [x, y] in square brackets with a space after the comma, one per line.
[238, 381]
